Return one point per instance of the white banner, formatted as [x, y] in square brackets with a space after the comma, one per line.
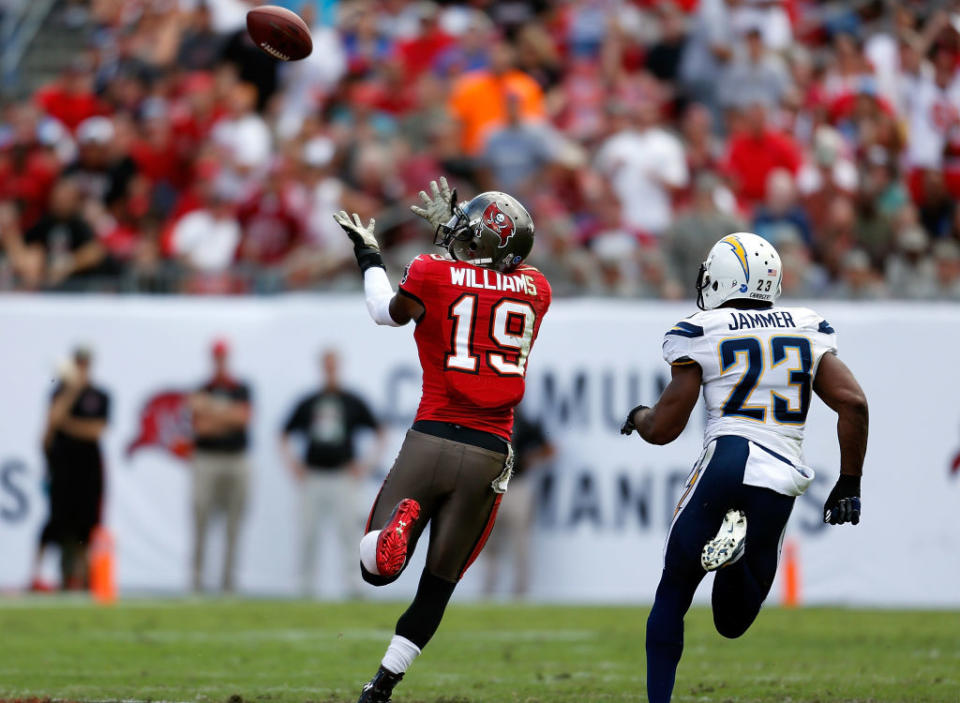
[604, 505]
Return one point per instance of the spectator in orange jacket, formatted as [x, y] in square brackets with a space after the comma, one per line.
[478, 100]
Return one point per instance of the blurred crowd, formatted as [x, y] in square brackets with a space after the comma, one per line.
[174, 156]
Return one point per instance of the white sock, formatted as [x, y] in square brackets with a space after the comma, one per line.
[368, 553]
[400, 655]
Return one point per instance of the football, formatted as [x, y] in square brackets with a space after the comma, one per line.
[279, 32]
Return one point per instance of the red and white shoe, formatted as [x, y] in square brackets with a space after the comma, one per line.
[41, 586]
[393, 539]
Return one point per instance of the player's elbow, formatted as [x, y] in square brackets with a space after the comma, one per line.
[661, 435]
[853, 403]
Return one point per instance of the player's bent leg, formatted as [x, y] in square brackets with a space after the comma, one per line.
[463, 512]
[740, 588]
[462, 524]
[413, 477]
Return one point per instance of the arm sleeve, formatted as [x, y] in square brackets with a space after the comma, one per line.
[378, 293]
[364, 416]
[298, 420]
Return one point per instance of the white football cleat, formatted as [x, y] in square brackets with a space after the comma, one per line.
[728, 546]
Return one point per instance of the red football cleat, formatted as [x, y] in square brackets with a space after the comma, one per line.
[392, 542]
[41, 586]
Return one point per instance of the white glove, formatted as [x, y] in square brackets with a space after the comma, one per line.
[437, 209]
[365, 244]
[360, 236]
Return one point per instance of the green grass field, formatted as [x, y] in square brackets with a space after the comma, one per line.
[297, 652]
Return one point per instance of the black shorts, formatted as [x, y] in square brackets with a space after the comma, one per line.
[76, 494]
[452, 482]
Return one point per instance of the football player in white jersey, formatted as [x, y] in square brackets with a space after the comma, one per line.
[758, 364]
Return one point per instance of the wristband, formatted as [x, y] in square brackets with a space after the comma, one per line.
[849, 485]
[368, 257]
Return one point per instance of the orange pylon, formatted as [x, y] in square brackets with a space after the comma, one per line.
[103, 584]
[791, 575]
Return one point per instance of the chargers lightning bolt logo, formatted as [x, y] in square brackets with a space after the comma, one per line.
[741, 253]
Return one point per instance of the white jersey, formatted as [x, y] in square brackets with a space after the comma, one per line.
[758, 370]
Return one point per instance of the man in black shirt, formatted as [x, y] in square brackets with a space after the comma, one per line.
[103, 171]
[75, 422]
[221, 415]
[329, 473]
[61, 245]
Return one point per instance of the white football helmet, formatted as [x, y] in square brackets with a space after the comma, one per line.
[741, 265]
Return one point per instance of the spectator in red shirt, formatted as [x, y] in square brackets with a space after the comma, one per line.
[272, 225]
[194, 113]
[755, 152]
[28, 167]
[70, 98]
[157, 158]
[418, 54]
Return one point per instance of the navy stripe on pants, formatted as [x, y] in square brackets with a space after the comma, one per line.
[738, 589]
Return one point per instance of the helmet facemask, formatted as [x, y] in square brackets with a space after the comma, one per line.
[703, 280]
[457, 227]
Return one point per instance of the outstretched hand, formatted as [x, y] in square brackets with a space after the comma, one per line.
[360, 236]
[365, 245]
[438, 206]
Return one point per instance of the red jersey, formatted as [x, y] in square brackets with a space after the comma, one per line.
[474, 339]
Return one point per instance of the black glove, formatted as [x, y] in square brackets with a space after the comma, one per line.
[843, 503]
[627, 427]
[365, 245]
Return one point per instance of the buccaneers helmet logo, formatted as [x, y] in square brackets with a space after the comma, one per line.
[500, 222]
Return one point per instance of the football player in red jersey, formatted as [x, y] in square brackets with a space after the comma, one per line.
[477, 310]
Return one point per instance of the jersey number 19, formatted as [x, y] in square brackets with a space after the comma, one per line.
[510, 332]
